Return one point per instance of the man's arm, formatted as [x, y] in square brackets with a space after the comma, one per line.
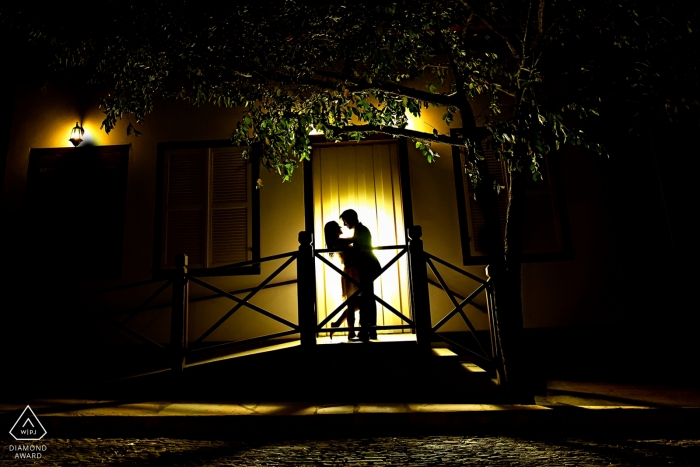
[362, 238]
[345, 242]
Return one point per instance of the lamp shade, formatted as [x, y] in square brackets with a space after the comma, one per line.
[76, 134]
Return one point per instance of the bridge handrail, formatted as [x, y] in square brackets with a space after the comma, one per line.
[340, 250]
[308, 325]
[455, 268]
[490, 358]
[403, 249]
[481, 308]
[246, 263]
[245, 301]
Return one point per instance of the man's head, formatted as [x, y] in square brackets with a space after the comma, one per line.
[349, 218]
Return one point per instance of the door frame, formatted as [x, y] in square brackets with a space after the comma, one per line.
[319, 141]
[404, 176]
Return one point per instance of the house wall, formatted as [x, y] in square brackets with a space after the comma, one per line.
[614, 206]
[44, 118]
[581, 291]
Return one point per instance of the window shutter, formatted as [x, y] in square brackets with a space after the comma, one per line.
[542, 230]
[185, 206]
[230, 207]
[476, 218]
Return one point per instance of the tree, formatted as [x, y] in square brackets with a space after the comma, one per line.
[350, 69]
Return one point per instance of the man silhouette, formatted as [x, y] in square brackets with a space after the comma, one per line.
[368, 268]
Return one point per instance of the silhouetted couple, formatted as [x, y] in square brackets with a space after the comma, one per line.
[360, 264]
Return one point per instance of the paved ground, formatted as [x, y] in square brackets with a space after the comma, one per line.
[575, 424]
[386, 451]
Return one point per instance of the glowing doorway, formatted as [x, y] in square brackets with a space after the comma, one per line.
[364, 177]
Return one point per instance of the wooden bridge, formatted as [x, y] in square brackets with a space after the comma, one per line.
[423, 358]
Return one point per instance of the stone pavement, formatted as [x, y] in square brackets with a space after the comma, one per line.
[568, 408]
[575, 423]
[495, 451]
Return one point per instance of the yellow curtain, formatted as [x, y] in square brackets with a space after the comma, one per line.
[363, 177]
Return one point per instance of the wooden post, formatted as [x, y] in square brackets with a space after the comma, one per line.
[493, 331]
[306, 289]
[180, 310]
[420, 298]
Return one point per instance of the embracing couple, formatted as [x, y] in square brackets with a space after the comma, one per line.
[359, 263]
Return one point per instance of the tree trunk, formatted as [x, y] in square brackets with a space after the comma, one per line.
[518, 363]
[505, 273]
[504, 267]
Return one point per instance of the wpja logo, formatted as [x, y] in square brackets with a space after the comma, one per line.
[28, 428]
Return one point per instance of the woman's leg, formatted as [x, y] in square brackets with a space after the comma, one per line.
[340, 319]
[352, 306]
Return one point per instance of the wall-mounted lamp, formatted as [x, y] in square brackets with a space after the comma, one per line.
[76, 134]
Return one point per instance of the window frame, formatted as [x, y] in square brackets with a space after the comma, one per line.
[566, 253]
[163, 148]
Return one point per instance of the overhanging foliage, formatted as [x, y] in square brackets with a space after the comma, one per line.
[349, 69]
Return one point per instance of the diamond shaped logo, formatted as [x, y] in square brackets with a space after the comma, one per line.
[28, 427]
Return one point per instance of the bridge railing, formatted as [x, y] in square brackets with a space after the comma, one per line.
[119, 320]
[184, 347]
[427, 330]
[402, 250]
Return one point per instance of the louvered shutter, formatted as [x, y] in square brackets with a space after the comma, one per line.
[184, 216]
[542, 230]
[230, 207]
[475, 218]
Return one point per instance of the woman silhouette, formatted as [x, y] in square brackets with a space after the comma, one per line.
[332, 233]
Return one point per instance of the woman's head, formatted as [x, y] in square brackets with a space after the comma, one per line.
[331, 232]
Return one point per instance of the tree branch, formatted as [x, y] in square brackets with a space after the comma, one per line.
[482, 16]
[391, 88]
[442, 99]
[527, 29]
[478, 133]
[497, 86]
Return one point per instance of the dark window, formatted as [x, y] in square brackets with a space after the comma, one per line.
[545, 235]
[208, 207]
[74, 209]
